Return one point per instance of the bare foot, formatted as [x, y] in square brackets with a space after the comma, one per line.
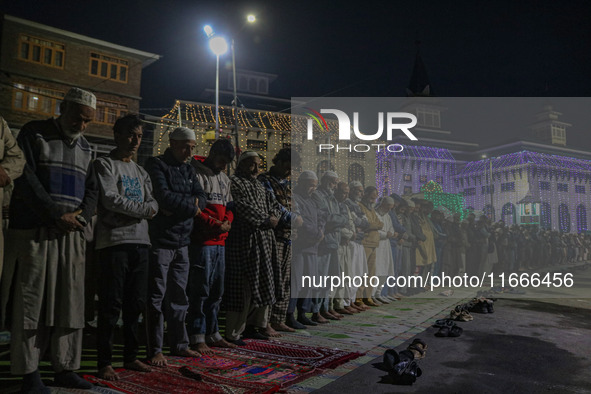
[282, 327]
[188, 353]
[224, 344]
[108, 373]
[158, 360]
[137, 365]
[269, 331]
[203, 349]
[317, 317]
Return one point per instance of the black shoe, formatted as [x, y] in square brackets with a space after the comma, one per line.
[237, 342]
[70, 379]
[304, 320]
[293, 323]
[254, 333]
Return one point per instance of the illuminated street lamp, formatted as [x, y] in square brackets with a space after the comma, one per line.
[221, 47]
[218, 46]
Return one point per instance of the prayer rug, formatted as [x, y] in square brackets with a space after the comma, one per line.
[170, 380]
[316, 357]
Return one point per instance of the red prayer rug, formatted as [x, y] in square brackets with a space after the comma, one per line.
[315, 357]
[259, 367]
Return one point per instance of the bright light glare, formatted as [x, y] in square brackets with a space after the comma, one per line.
[218, 45]
[251, 18]
[208, 30]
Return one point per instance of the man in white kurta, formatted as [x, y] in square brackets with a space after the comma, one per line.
[384, 260]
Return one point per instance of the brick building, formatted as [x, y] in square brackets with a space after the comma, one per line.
[39, 63]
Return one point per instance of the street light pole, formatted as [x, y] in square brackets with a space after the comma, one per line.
[218, 46]
[235, 101]
[217, 96]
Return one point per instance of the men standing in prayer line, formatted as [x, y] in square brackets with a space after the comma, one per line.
[276, 182]
[372, 238]
[251, 262]
[207, 250]
[12, 163]
[52, 201]
[180, 198]
[418, 237]
[358, 258]
[125, 202]
[342, 300]
[333, 220]
[392, 292]
[426, 254]
[405, 244]
[384, 259]
[305, 250]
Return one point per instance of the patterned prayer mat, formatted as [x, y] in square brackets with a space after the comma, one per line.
[259, 367]
[316, 357]
[170, 380]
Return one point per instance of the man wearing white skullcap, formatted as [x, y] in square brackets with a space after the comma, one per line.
[180, 199]
[51, 204]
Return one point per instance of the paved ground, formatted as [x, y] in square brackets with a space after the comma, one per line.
[526, 346]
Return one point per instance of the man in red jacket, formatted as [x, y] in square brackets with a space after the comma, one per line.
[207, 250]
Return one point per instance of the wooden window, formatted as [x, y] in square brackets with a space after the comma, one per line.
[108, 67]
[41, 51]
[107, 112]
[37, 100]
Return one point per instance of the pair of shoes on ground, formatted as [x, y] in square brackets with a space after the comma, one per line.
[481, 305]
[418, 348]
[402, 367]
[447, 328]
[460, 313]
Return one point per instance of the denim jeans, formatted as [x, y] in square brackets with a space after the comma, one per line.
[168, 275]
[205, 288]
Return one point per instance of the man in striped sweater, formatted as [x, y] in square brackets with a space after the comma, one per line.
[52, 202]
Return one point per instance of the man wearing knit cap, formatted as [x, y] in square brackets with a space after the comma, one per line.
[51, 204]
[251, 259]
[332, 219]
[180, 199]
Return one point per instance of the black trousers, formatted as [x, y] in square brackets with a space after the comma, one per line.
[123, 287]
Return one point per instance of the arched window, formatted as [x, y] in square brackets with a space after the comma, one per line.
[581, 218]
[563, 218]
[545, 216]
[489, 211]
[356, 173]
[509, 216]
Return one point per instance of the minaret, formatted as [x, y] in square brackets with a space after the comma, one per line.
[419, 80]
[548, 128]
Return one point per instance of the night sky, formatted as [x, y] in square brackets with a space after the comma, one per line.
[361, 48]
